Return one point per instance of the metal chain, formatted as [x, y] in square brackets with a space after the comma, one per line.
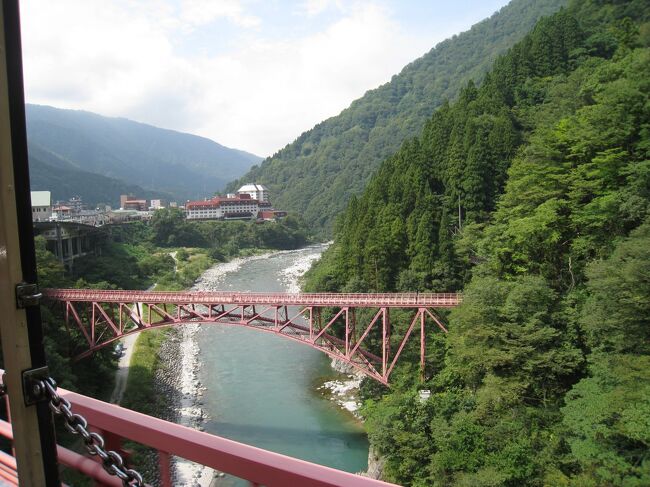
[77, 425]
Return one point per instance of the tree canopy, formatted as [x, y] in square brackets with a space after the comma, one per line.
[530, 194]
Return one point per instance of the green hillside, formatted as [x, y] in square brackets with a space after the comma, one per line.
[318, 173]
[47, 172]
[159, 160]
[531, 195]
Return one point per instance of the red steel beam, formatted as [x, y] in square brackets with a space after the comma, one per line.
[369, 300]
[100, 328]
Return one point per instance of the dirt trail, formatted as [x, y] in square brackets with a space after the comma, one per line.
[122, 374]
[123, 368]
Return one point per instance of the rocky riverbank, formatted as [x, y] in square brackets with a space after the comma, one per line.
[344, 391]
[179, 375]
[182, 390]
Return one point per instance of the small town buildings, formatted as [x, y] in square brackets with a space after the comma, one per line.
[41, 206]
[157, 204]
[241, 207]
[123, 216]
[95, 218]
[257, 192]
[75, 204]
[270, 215]
[65, 210]
[131, 203]
[61, 212]
[251, 202]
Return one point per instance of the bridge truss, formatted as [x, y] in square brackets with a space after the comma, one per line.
[354, 328]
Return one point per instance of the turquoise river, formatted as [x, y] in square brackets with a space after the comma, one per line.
[260, 389]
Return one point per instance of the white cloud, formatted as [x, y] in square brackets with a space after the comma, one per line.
[121, 59]
[202, 12]
[315, 7]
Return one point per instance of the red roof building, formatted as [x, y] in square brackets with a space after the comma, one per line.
[218, 208]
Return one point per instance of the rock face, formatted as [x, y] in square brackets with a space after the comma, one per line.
[345, 368]
[375, 465]
[346, 394]
[345, 391]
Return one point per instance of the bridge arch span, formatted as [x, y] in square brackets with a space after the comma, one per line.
[327, 322]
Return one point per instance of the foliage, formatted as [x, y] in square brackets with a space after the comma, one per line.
[401, 231]
[321, 170]
[607, 422]
[607, 414]
[140, 393]
[170, 229]
[61, 344]
[531, 194]
[616, 316]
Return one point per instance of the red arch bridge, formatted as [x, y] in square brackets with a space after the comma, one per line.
[354, 328]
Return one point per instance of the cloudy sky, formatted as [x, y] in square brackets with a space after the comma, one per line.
[249, 74]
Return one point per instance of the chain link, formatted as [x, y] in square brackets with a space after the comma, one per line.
[77, 425]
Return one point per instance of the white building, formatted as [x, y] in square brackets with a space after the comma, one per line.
[240, 207]
[257, 192]
[41, 206]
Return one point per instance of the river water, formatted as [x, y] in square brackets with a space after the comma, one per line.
[260, 389]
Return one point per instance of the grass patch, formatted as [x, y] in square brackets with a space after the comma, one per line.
[140, 394]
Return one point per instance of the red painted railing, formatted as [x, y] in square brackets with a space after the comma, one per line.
[259, 467]
[371, 300]
[369, 346]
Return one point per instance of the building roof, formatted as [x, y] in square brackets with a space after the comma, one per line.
[252, 187]
[41, 198]
[217, 201]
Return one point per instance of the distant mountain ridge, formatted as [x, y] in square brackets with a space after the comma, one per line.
[318, 173]
[47, 172]
[127, 154]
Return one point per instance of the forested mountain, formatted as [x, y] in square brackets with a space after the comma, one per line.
[47, 172]
[531, 195]
[318, 173]
[162, 161]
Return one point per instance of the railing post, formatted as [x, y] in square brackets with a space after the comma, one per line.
[276, 318]
[422, 344]
[385, 337]
[164, 463]
[311, 323]
[347, 333]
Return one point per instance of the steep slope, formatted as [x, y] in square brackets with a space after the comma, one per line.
[184, 165]
[531, 194]
[317, 174]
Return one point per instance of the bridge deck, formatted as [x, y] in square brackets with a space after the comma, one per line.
[396, 300]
